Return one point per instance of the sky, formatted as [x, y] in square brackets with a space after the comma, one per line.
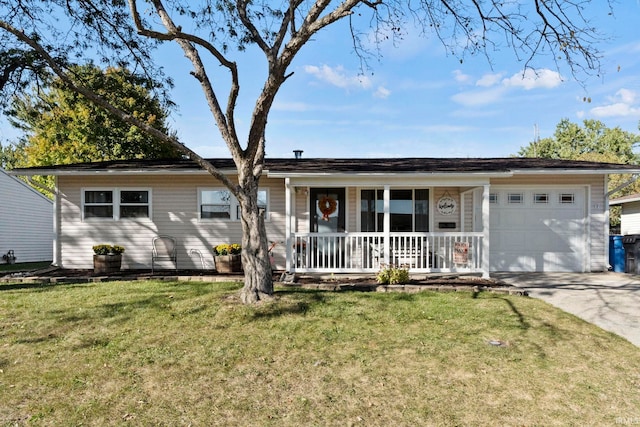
[417, 101]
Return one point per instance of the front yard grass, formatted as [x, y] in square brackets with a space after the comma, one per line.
[23, 266]
[187, 353]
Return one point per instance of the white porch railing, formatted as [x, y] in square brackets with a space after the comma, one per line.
[367, 252]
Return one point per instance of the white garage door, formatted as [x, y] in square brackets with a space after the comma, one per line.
[538, 229]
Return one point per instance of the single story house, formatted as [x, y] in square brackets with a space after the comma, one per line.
[630, 213]
[26, 222]
[347, 215]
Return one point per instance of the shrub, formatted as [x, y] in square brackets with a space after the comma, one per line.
[392, 275]
[104, 249]
[227, 249]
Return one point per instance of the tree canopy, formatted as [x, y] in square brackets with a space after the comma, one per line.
[213, 33]
[591, 141]
[573, 141]
[62, 127]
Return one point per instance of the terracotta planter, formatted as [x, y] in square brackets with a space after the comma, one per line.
[107, 263]
[228, 263]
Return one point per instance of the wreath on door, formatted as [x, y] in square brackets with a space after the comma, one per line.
[327, 206]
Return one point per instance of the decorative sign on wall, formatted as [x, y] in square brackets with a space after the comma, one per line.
[446, 204]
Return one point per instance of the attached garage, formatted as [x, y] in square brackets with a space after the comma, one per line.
[539, 229]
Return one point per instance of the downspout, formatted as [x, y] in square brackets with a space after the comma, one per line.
[56, 216]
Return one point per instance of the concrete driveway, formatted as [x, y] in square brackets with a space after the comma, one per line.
[608, 300]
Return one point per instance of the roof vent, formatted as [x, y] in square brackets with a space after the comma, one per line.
[298, 153]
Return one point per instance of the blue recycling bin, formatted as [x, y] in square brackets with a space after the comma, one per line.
[616, 254]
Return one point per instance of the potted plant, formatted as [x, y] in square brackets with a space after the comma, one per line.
[227, 258]
[107, 258]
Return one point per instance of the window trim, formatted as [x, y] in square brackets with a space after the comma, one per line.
[115, 192]
[541, 198]
[511, 200]
[413, 206]
[566, 198]
[234, 206]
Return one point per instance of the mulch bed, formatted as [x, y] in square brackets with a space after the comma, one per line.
[338, 282]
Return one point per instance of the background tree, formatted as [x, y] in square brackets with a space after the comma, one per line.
[220, 31]
[62, 127]
[593, 141]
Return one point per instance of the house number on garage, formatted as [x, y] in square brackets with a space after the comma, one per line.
[446, 205]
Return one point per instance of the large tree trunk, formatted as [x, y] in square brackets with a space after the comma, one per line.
[258, 277]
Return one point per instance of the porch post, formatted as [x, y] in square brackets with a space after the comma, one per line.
[386, 224]
[287, 225]
[485, 231]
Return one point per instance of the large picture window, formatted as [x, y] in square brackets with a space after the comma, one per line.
[218, 203]
[115, 204]
[408, 210]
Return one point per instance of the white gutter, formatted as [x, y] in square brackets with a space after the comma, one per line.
[574, 171]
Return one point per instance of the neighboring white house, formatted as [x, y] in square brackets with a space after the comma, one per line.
[347, 215]
[26, 222]
[630, 214]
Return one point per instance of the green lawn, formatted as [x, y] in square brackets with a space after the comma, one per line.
[187, 353]
[23, 266]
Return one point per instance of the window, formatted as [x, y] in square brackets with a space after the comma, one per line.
[221, 204]
[493, 198]
[98, 204]
[408, 210]
[514, 198]
[134, 204]
[116, 203]
[567, 198]
[541, 198]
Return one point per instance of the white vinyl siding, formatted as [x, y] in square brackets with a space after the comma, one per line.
[173, 212]
[630, 218]
[26, 221]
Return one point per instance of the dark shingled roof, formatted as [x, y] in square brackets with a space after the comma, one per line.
[347, 165]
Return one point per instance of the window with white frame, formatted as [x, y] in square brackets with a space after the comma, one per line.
[219, 203]
[408, 209]
[115, 203]
[515, 198]
[541, 198]
[567, 198]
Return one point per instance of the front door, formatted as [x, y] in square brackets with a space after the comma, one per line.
[327, 217]
[327, 210]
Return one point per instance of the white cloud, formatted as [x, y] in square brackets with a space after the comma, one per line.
[461, 77]
[479, 97]
[627, 96]
[382, 92]
[497, 87]
[615, 110]
[489, 79]
[534, 79]
[338, 77]
[620, 105]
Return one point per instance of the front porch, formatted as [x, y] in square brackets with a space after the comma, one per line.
[442, 252]
[357, 224]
